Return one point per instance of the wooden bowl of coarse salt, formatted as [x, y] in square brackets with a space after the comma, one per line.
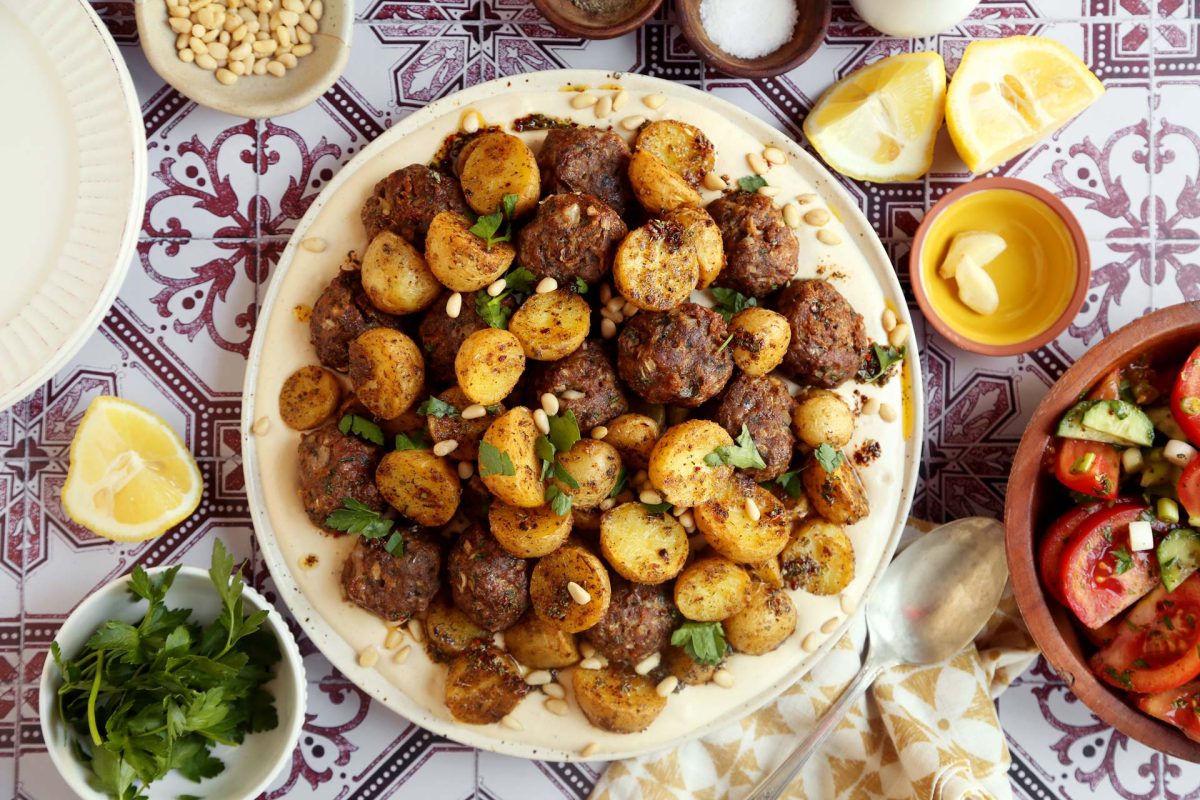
[249, 58]
[773, 38]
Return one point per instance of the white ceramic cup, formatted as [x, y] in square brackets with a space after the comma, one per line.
[913, 18]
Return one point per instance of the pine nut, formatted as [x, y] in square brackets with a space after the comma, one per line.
[394, 637]
[591, 663]
[723, 678]
[546, 285]
[317, 9]
[768, 191]
[826, 236]
[714, 182]
[224, 38]
[549, 404]
[579, 594]
[226, 76]
[368, 658]
[650, 497]
[687, 519]
[605, 293]
[757, 163]
[619, 100]
[633, 123]
[666, 686]
[178, 12]
[470, 121]
[590, 750]
[237, 68]
[313, 244]
[496, 287]
[237, 54]
[752, 510]
[608, 328]
[261, 426]
[308, 23]
[541, 421]
[197, 46]
[276, 68]
[889, 320]
[260, 66]
[301, 50]
[557, 707]
[810, 643]
[416, 631]
[181, 41]
[187, 56]
[774, 155]
[629, 309]
[830, 625]
[654, 101]
[539, 677]
[402, 654]
[887, 413]
[209, 37]
[293, 5]
[603, 107]
[218, 51]
[205, 61]
[555, 690]
[791, 214]
[454, 305]
[511, 723]
[805, 199]
[264, 47]
[817, 217]
[445, 448]
[898, 335]
[573, 394]
[599, 432]
[648, 664]
[465, 470]
[849, 604]
[607, 503]
[871, 406]
[473, 411]
[180, 24]
[283, 34]
[583, 100]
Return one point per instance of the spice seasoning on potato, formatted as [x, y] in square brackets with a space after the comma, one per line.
[489, 364]
[387, 371]
[309, 398]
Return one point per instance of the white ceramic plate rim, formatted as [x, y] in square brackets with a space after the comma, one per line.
[330, 643]
[86, 325]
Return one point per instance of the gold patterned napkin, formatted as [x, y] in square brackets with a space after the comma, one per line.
[922, 733]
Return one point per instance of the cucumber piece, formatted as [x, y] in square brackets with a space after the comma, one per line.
[1178, 556]
[1164, 421]
[1120, 420]
[1071, 426]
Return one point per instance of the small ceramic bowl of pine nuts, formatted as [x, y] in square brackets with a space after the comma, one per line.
[249, 58]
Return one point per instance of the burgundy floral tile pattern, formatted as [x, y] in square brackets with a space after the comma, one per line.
[225, 193]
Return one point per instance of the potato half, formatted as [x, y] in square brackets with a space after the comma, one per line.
[768, 619]
[655, 268]
[387, 370]
[499, 164]
[488, 365]
[641, 546]
[819, 558]
[552, 600]
[617, 699]
[682, 148]
[514, 434]
[677, 466]
[730, 528]
[656, 187]
[711, 589]
[462, 261]
[482, 685]
[421, 486]
[551, 326]
[760, 340]
[528, 532]
[396, 277]
[309, 397]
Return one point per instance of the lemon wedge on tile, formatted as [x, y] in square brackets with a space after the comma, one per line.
[880, 122]
[130, 476]
[1008, 94]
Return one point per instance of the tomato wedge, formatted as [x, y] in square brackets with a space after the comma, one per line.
[1089, 468]
[1156, 649]
[1099, 574]
[1056, 536]
[1176, 707]
[1185, 397]
[1189, 487]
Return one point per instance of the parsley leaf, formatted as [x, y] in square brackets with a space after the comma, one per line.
[560, 501]
[619, 486]
[751, 183]
[494, 461]
[1122, 678]
[1124, 560]
[730, 301]
[395, 544]
[657, 508]
[790, 483]
[356, 517]
[437, 407]
[487, 227]
[742, 453]
[560, 473]
[879, 363]
[564, 431]
[828, 457]
[725, 343]
[520, 280]
[361, 427]
[581, 286]
[492, 309]
[703, 641]
[415, 442]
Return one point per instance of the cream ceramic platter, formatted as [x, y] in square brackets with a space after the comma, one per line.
[858, 267]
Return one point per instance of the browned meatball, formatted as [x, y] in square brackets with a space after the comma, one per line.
[638, 623]
[588, 371]
[587, 160]
[764, 406]
[678, 357]
[339, 316]
[760, 249]
[489, 584]
[407, 201]
[441, 335]
[828, 340]
[571, 236]
[334, 466]
[467, 432]
[396, 588]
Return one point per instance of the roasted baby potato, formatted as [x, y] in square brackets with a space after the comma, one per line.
[421, 486]
[467, 432]
[488, 365]
[483, 685]
[837, 495]
[683, 148]
[552, 599]
[766, 621]
[459, 259]
[449, 631]
[634, 436]
[387, 371]
[688, 670]
[819, 558]
[309, 397]
[551, 326]
[617, 699]
[595, 466]
[656, 187]
[514, 434]
[641, 546]
[528, 532]
[677, 467]
[822, 417]
[711, 589]
[539, 645]
[702, 233]
[728, 527]
[769, 572]
[760, 340]
[499, 164]
[585, 519]
[655, 269]
[395, 276]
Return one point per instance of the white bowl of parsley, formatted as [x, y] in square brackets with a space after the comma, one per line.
[173, 682]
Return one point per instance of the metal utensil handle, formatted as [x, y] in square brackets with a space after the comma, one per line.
[775, 784]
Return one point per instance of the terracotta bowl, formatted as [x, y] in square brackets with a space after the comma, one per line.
[1034, 501]
[806, 38]
[574, 21]
[1083, 269]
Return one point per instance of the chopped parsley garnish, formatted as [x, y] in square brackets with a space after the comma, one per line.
[359, 518]
[1124, 560]
[880, 362]
[790, 483]
[829, 458]
[518, 282]
[1122, 678]
[657, 508]
[581, 286]
[564, 431]
[619, 486]
[361, 427]
[487, 227]
[725, 343]
[494, 461]
[751, 183]
[742, 453]
[703, 641]
[730, 301]
[1141, 663]
[560, 501]
[416, 441]
[437, 407]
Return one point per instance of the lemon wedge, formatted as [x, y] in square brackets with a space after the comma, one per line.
[1008, 94]
[130, 476]
[880, 122]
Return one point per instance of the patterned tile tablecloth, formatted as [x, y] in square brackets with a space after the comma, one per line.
[225, 193]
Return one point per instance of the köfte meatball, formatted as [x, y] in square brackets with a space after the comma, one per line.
[587, 160]
[467, 432]
[571, 236]
[407, 201]
[828, 339]
[760, 249]
[441, 335]
[586, 385]
[334, 466]
[340, 315]
[679, 357]
[395, 588]
[764, 406]
[488, 583]
[638, 623]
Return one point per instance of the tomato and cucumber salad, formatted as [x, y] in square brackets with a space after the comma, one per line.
[1124, 558]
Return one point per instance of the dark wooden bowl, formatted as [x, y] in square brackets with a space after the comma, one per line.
[1033, 501]
[573, 20]
[806, 38]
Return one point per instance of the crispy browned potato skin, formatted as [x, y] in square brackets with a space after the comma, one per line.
[702, 233]
[616, 699]
[712, 588]
[729, 529]
[528, 532]
[551, 326]
[498, 164]
[595, 466]
[552, 600]
[643, 547]
[677, 466]
[459, 259]
[396, 277]
[655, 267]
[838, 496]
[515, 434]
[819, 558]
[656, 187]
[421, 486]
[387, 371]
[449, 632]
[539, 645]
[489, 365]
[822, 417]
[764, 624]
[634, 436]
[309, 398]
[482, 685]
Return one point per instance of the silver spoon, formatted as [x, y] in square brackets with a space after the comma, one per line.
[931, 602]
